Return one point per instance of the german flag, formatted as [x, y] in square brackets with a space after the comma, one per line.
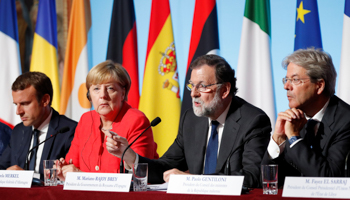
[122, 44]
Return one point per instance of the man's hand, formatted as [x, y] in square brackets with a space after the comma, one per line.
[116, 146]
[288, 124]
[166, 175]
[14, 167]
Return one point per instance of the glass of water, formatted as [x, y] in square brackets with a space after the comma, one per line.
[269, 175]
[139, 176]
[50, 173]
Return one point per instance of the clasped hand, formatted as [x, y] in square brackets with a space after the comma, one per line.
[288, 124]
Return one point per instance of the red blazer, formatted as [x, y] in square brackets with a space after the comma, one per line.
[87, 150]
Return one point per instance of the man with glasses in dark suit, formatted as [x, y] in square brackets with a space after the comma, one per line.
[312, 138]
[222, 134]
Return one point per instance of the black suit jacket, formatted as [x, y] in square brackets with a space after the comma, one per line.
[247, 129]
[328, 159]
[55, 148]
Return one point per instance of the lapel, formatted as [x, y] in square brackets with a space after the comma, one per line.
[53, 126]
[229, 135]
[26, 136]
[200, 144]
[325, 130]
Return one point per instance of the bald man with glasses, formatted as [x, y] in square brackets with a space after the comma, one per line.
[221, 134]
[312, 138]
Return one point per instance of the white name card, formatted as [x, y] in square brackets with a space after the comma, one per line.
[202, 184]
[16, 178]
[110, 182]
[316, 187]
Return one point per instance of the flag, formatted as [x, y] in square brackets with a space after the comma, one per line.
[160, 89]
[10, 63]
[254, 69]
[344, 71]
[307, 25]
[44, 53]
[204, 40]
[122, 44]
[76, 66]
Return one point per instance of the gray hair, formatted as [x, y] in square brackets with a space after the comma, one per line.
[318, 65]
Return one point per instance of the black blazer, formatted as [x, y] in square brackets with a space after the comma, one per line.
[55, 148]
[247, 128]
[333, 137]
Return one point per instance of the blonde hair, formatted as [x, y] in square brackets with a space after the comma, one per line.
[106, 71]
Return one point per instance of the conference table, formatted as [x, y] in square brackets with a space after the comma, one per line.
[57, 192]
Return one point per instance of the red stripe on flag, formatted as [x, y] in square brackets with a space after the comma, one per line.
[157, 23]
[130, 62]
[201, 14]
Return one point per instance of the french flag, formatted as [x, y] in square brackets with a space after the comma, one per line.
[10, 61]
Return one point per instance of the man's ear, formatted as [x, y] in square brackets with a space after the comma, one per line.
[45, 101]
[226, 87]
[320, 86]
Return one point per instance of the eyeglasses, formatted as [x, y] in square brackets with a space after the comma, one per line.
[200, 87]
[294, 81]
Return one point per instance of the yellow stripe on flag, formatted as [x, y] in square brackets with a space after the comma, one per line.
[44, 59]
[160, 90]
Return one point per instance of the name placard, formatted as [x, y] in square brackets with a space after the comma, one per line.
[110, 182]
[202, 184]
[16, 178]
[316, 187]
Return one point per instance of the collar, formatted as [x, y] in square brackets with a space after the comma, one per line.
[319, 115]
[222, 118]
[44, 127]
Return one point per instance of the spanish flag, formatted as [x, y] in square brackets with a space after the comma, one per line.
[160, 89]
[73, 96]
[44, 53]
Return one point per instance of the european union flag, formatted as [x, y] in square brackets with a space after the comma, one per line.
[307, 26]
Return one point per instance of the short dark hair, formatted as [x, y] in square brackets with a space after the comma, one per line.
[223, 71]
[38, 80]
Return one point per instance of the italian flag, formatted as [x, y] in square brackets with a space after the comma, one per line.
[254, 76]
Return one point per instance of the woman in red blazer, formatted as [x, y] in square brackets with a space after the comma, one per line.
[108, 85]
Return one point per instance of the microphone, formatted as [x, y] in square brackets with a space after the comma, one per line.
[62, 130]
[154, 122]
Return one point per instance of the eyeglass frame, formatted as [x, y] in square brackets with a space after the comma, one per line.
[292, 80]
[205, 87]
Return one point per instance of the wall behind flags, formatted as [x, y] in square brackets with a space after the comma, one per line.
[230, 17]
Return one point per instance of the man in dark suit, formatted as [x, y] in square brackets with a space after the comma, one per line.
[221, 129]
[32, 94]
[312, 138]
[5, 136]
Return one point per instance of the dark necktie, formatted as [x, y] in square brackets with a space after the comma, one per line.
[33, 154]
[212, 150]
[310, 133]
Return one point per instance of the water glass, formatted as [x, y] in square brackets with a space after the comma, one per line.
[139, 176]
[50, 173]
[269, 175]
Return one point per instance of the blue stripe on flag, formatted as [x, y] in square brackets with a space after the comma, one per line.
[8, 18]
[347, 8]
[46, 25]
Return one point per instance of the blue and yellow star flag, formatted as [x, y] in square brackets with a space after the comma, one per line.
[44, 53]
[307, 25]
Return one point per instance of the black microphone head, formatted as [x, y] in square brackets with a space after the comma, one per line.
[64, 129]
[156, 121]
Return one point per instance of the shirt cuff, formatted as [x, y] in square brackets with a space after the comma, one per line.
[135, 163]
[274, 150]
[295, 142]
